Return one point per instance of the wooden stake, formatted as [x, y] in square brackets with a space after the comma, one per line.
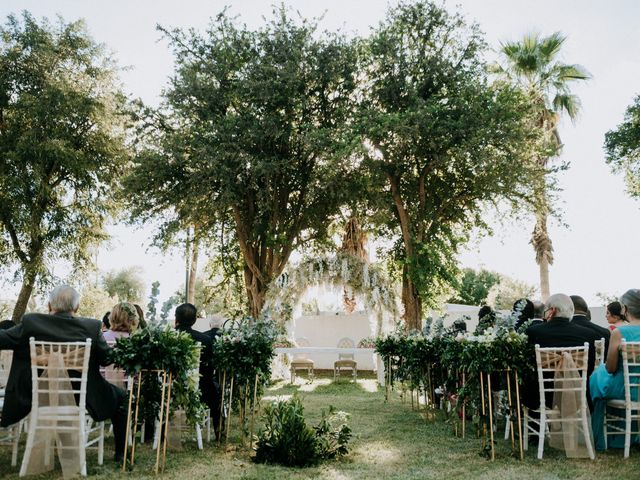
[253, 409]
[493, 450]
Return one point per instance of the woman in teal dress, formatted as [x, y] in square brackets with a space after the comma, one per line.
[607, 381]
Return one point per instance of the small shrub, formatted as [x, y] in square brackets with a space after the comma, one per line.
[287, 439]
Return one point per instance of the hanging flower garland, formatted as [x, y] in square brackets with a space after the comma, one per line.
[364, 278]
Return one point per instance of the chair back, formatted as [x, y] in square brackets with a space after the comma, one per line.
[115, 375]
[59, 369]
[6, 357]
[599, 347]
[558, 366]
[631, 368]
[301, 342]
[346, 342]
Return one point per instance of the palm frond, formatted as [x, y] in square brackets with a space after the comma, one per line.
[550, 46]
[567, 103]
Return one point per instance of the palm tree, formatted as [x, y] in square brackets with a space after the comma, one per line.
[533, 64]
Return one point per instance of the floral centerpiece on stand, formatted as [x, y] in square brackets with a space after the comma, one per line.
[158, 348]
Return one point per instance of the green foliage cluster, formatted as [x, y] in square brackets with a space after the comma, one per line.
[474, 286]
[246, 349]
[622, 146]
[157, 348]
[62, 146]
[286, 438]
[126, 284]
[495, 350]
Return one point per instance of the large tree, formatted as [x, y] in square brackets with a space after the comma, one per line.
[61, 145]
[622, 146]
[252, 141]
[533, 64]
[443, 143]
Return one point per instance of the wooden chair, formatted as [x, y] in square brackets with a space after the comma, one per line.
[631, 405]
[346, 361]
[301, 362]
[600, 353]
[548, 361]
[61, 418]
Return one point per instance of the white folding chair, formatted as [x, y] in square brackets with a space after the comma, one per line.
[346, 361]
[300, 361]
[61, 418]
[599, 347]
[548, 361]
[631, 405]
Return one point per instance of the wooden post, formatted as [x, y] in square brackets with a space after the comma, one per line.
[226, 433]
[161, 416]
[166, 424]
[464, 412]
[128, 430]
[519, 419]
[511, 426]
[253, 410]
[484, 424]
[224, 381]
[493, 450]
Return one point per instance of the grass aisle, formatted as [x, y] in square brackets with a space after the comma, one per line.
[390, 441]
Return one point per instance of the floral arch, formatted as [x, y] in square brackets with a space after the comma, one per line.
[365, 279]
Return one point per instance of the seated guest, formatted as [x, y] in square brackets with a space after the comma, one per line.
[62, 325]
[557, 331]
[142, 323]
[209, 389]
[538, 312]
[7, 324]
[123, 321]
[524, 309]
[215, 327]
[614, 316]
[486, 319]
[583, 318]
[105, 322]
[607, 381]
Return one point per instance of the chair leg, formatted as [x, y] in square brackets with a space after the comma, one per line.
[541, 433]
[208, 426]
[586, 431]
[101, 444]
[199, 436]
[507, 426]
[31, 434]
[17, 429]
[525, 429]
[627, 432]
[82, 442]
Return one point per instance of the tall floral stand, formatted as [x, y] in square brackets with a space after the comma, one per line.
[486, 402]
[165, 379]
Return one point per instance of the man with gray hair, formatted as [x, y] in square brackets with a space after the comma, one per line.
[557, 331]
[104, 400]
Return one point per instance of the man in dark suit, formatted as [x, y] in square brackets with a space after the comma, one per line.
[104, 400]
[209, 389]
[557, 331]
[582, 318]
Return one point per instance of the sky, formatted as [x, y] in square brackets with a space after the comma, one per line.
[594, 239]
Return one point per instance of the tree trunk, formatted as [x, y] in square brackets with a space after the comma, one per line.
[26, 290]
[193, 270]
[256, 291]
[544, 253]
[412, 303]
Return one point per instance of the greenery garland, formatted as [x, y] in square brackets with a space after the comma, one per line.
[158, 348]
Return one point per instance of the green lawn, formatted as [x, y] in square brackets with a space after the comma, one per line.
[390, 441]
